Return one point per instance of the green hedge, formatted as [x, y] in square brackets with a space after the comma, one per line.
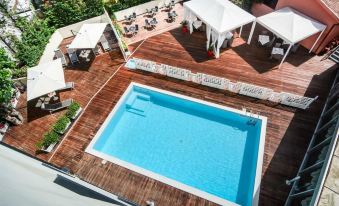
[72, 109]
[50, 137]
[60, 13]
[61, 124]
[112, 6]
[34, 38]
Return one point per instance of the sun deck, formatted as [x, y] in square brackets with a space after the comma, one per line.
[288, 129]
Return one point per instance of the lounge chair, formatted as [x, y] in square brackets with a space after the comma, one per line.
[57, 106]
[73, 57]
[60, 55]
[96, 50]
[106, 46]
[69, 85]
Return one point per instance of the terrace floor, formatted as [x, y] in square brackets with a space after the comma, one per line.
[288, 130]
[162, 26]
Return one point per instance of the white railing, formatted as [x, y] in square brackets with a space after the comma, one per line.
[296, 100]
[178, 73]
[242, 88]
[255, 91]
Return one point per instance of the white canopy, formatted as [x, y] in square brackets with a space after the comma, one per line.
[45, 78]
[220, 17]
[290, 25]
[88, 36]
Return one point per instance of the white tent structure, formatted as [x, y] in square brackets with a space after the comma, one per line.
[291, 26]
[88, 36]
[220, 17]
[45, 78]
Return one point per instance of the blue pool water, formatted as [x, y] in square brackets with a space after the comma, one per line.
[204, 147]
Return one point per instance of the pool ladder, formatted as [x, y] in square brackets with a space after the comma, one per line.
[253, 120]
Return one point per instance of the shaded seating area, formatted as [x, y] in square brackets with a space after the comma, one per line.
[57, 106]
[288, 27]
[43, 81]
[219, 16]
[91, 40]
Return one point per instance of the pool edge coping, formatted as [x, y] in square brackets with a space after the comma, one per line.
[210, 197]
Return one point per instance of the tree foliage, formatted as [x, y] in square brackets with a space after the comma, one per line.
[114, 6]
[34, 38]
[59, 13]
[6, 90]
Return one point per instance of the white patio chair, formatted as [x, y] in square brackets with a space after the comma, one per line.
[106, 46]
[96, 50]
[60, 55]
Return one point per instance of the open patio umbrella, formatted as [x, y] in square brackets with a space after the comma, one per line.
[45, 78]
[88, 36]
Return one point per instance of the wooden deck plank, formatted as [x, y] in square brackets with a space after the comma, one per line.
[288, 130]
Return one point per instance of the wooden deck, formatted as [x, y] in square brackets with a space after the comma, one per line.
[288, 129]
[88, 78]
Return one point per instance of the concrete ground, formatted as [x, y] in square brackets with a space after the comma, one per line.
[26, 181]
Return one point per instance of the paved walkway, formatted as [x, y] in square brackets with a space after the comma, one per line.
[161, 27]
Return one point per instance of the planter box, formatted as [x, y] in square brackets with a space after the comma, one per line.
[49, 148]
[77, 114]
[66, 128]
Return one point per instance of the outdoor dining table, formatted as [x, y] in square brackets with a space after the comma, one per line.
[85, 54]
[131, 29]
[277, 50]
[264, 39]
[153, 22]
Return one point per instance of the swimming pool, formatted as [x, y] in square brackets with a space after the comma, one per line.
[209, 150]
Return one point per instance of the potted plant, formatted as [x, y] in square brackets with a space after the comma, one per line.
[184, 28]
[48, 142]
[62, 124]
[210, 51]
[73, 110]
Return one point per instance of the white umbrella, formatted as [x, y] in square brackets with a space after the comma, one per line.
[88, 36]
[45, 78]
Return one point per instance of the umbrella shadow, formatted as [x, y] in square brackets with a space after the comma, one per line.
[34, 110]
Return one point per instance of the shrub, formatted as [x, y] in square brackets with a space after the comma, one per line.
[72, 109]
[50, 137]
[60, 13]
[6, 89]
[113, 6]
[34, 38]
[61, 124]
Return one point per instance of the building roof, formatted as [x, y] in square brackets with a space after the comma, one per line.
[290, 25]
[332, 5]
[221, 15]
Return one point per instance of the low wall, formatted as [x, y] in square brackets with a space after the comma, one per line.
[66, 32]
[53, 44]
[141, 9]
[71, 30]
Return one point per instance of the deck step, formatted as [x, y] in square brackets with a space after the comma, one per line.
[138, 103]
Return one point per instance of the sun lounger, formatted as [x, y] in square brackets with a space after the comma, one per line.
[73, 57]
[57, 106]
[96, 50]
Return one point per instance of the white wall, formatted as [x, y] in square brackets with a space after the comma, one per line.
[141, 9]
[66, 32]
